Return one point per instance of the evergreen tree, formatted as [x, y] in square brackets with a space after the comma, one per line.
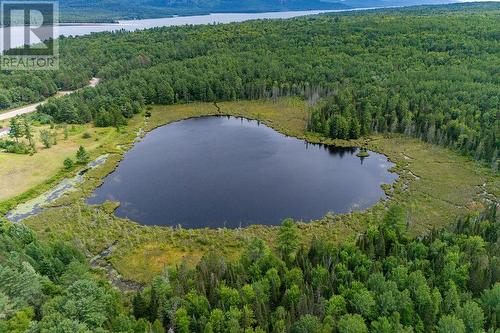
[339, 127]
[16, 129]
[288, 240]
[82, 157]
[354, 128]
[68, 163]
[28, 134]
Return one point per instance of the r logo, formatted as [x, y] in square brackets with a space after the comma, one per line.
[29, 35]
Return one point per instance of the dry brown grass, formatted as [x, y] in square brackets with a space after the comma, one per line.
[19, 173]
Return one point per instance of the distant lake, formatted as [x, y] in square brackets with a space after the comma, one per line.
[132, 25]
[226, 171]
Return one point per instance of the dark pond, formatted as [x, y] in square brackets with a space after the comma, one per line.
[225, 171]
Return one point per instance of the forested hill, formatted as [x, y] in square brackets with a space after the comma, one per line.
[428, 72]
[110, 10]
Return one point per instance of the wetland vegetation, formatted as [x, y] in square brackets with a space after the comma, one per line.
[448, 186]
[238, 172]
[425, 260]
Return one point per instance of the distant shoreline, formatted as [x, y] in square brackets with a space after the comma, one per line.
[64, 21]
[344, 8]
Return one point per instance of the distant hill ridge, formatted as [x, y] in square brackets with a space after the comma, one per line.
[112, 10]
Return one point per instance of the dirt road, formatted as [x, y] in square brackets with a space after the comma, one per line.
[32, 107]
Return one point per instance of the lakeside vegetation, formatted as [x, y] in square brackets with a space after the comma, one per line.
[417, 85]
[385, 281]
[448, 186]
[426, 72]
[20, 173]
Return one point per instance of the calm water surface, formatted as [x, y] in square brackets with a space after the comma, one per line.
[17, 33]
[225, 171]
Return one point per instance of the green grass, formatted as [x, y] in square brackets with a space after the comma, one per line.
[435, 186]
[363, 153]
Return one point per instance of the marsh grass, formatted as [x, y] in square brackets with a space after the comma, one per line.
[435, 186]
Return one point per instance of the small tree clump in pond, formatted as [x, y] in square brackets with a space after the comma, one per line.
[68, 163]
[363, 153]
[82, 156]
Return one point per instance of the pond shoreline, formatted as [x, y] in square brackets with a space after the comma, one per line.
[143, 251]
[312, 159]
[87, 186]
[39, 203]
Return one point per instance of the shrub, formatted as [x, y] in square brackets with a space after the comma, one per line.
[68, 163]
[14, 147]
[46, 138]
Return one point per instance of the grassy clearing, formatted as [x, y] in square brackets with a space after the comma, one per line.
[435, 186]
[23, 176]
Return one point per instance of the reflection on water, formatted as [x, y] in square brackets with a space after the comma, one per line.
[225, 171]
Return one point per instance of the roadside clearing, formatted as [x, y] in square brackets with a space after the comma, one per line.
[32, 107]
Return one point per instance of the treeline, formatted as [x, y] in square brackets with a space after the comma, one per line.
[346, 116]
[21, 87]
[427, 72]
[446, 282]
[386, 281]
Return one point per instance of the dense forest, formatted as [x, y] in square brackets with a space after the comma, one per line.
[429, 72]
[386, 281]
